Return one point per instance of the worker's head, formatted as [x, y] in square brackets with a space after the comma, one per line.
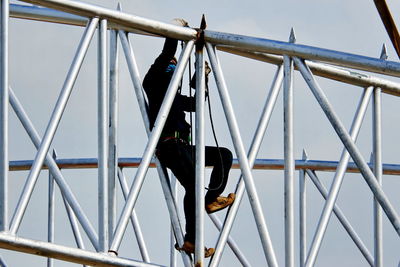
[172, 65]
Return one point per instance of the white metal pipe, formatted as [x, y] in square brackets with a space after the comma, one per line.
[102, 128]
[200, 157]
[54, 16]
[324, 70]
[120, 18]
[170, 200]
[151, 145]
[254, 147]
[377, 167]
[219, 38]
[65, 189]
[113, 133]
[173, 257]
[134, 219]
[50, 212]
[304, 51]
[289, 160]
[302, 215]
[74, 225]
[351, 147]
[46, 14]
[342, 218]
[75, 255]
[52, 126]
[244, 164]
[4, 224]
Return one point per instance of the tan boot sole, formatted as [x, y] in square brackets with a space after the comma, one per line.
[208, 252]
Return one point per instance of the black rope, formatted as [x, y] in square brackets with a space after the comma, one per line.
[191, 103]
[216, 144]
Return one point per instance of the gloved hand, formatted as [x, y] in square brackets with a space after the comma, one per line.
[180, 22]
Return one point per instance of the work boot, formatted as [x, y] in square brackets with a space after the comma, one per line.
[220, 203]
[189, 247]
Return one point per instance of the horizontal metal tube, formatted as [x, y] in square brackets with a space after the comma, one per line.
[220, 38]
[324, 70]
[304, 52]
[120, 18]
[260, 164]
[46, 14]
[56, 16]
[76, 255]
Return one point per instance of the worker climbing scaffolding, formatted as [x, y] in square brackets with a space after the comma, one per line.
[174, 148]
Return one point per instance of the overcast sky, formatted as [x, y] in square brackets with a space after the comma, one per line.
[41, 53]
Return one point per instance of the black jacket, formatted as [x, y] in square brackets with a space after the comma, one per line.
[156, 83]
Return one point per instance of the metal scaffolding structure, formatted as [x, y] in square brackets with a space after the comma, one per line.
[288, 56]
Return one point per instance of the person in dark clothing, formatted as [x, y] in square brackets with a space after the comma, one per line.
[174, 150]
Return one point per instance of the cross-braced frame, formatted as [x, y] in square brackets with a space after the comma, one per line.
[288, 56]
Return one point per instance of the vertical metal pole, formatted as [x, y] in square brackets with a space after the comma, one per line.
[102, 128]
[200, 156]
[51, 209]
[66, 191]
[113, 134]
[352, 149]
[134, 220]
[151, 145]
[289, 157]
[343, 220]
[53, 124]
[244, 164]
[173, 258]
[4, 115]
[254, 147]
[377, 167]
[303, 213]
[170, 200]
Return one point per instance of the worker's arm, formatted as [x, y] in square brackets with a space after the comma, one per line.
[168, 52]
[156, 72]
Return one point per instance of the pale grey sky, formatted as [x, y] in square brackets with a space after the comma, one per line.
[41, 53]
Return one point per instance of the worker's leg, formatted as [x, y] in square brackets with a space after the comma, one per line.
[178, 158]
[221, 159]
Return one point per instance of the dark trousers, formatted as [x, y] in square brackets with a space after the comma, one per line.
[179, 157]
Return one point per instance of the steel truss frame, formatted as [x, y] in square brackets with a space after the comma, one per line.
[288, 56]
